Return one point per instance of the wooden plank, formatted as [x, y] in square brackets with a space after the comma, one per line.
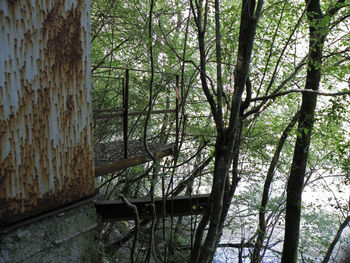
[117, 210]
[132, 113]
[126, 163]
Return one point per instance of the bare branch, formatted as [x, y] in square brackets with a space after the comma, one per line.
[107, 55]
[273, 96]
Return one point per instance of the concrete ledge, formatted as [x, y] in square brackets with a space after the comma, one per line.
[69, 236]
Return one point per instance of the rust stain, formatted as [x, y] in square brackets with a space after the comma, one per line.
[45, 156]
[64, 45]
[12, 2]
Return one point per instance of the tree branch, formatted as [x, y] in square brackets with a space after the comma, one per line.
[335, 8]
[335, 240]
[107, 55]
[273, 96]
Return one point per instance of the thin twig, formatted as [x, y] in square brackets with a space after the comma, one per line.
[137, 220]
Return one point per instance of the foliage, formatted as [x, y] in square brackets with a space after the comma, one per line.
[279, 62]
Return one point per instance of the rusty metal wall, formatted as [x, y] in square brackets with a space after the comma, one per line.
[45, 122]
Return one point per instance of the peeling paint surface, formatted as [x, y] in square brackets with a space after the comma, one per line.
[46, 156]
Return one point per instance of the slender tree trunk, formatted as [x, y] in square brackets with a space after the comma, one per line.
[305, 125]
[223, 159]
[228, 138]
[269, 178]
[230, 188]
[336, 239]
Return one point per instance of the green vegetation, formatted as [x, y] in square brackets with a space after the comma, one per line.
[263, 125]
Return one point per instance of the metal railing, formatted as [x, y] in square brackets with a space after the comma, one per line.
[125, 112]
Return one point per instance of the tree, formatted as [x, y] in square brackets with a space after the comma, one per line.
[247, 60]
[228, 137]
[318, 29]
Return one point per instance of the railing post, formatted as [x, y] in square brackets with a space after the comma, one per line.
[177, 117]
[125, 113]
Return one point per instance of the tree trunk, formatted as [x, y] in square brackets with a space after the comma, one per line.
[228, 138]
[305, 125]
[269, 178]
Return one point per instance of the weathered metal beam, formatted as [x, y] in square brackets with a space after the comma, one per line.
[127, 163]
[117, 210]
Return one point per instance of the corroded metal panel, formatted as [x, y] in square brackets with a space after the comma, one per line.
[46, 156]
